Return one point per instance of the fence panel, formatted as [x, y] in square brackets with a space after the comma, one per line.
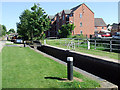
[87, 44]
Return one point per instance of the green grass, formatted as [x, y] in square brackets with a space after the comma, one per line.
[25, 68]
[12, 44]
[83, 49]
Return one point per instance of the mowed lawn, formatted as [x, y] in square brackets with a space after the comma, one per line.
[25, 68]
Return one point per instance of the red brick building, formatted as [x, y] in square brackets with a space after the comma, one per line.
[100, 25]
[81, 16]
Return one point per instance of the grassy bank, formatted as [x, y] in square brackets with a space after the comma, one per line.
[25, 68]
[99, 52]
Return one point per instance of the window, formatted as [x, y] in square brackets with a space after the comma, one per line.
[81, 32]
[63, 17]
[80, 15]
[102, 27]
[67, 18]
[80, 24]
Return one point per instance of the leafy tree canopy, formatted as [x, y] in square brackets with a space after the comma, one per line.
[3, 30]
[33, 23]
[11, 30]
[66, 30]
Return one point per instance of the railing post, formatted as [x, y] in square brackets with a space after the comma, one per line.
[44, 42]
[110, 45]
[88, 44]
[95, 42]
[70, 68]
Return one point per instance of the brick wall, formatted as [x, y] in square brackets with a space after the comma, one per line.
[100, 28]
[87, 20]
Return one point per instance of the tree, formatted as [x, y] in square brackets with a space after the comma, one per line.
[33, 23]
[23, 27]
[66, 30]
[4, 30]
[11, 31]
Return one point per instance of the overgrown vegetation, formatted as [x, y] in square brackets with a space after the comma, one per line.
[29, 69]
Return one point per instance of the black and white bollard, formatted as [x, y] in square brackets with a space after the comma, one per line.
[70, 68]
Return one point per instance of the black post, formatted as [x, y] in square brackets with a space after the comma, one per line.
[70, 68]
[95, 42]
[110, 45]
[24, 43]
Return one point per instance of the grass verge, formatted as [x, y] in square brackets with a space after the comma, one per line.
[83, 49]
[25, 68]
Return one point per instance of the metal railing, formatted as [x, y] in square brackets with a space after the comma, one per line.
[100, 44]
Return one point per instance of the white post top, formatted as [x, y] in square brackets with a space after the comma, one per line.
[69, 58]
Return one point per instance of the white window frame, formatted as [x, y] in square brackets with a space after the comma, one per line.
[80, 15]
[81, 32]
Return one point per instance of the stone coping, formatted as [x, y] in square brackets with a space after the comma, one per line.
[104, 83]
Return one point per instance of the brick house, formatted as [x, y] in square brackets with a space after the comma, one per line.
[100, 24]
[81, 16]
[52, 30]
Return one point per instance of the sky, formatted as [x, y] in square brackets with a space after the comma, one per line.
[119, 12]
[10, 11]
